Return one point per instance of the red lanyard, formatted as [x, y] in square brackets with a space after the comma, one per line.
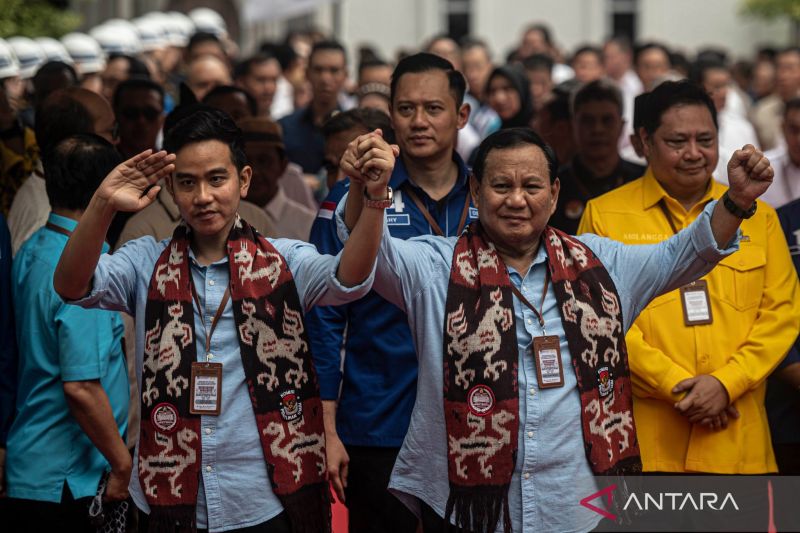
[434, 225]
[217, 315]
[538, 312]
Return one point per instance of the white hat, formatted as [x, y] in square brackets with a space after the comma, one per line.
[209, 21]
[117, 36]
[152, 33]
[85, 51]
[179, 28]
[29, 54]
[53, 50]
[9, 66]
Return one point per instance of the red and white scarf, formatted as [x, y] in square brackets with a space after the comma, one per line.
[481, 365]
[278, 368]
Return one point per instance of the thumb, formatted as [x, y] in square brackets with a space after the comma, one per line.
[395, 150]
[684, 385]
[378, 131]
[732, 411]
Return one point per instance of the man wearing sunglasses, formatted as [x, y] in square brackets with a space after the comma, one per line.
[139, 108]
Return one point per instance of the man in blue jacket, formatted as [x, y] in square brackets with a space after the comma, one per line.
[378, 380]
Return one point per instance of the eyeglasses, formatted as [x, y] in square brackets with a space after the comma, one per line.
[132, 113]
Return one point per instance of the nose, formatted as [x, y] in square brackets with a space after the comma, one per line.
[418, 118]
[692, 150]
[516, 198]
[203, 194]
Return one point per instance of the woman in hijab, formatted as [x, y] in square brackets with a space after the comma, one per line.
[508, 92]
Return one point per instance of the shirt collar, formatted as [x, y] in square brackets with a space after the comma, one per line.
[653, 192]
[541, 257]
[69, 225]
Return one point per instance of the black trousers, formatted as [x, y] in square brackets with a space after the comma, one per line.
[33, 516]
[371, 507]
[279, 524]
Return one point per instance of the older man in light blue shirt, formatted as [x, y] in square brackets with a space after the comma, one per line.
[516, 191]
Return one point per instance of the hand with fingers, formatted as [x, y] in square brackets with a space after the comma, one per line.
[369, 162]
[706, 398]
[131, 186]
[749, 175]
[721, 421]
[338, 461]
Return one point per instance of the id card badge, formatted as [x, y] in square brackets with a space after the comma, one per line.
[696, 303]
[205, 394]
[547, 354]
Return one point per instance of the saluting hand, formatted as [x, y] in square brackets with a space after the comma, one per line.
[130, 186]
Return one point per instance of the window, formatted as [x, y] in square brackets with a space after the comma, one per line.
[457, 13]
[623, 14]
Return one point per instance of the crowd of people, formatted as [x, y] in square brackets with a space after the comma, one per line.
[386, 252]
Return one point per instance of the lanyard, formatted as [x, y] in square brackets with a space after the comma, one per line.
[537, 312]
[434, 225]
[664, 210]
[214, 320]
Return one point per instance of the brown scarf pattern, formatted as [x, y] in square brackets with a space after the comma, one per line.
[481, 395]
[278, 368]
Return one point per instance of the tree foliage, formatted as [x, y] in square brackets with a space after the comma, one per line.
[35, 18]
[771, 9]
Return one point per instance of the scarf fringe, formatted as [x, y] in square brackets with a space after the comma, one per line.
[172, 519]
[478, 509]
[309, 509]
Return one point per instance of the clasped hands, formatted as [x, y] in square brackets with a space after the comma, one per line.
[369, 161]
[706, 402]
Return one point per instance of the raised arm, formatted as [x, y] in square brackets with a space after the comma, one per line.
[369, 162]
[749, 175]
[129, 187]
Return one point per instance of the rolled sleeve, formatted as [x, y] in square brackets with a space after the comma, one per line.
[79, 340]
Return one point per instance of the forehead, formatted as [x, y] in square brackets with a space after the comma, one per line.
[686, 118]
[424, 86]
[261, 68]
[200, 157]
[327, 57]
[790, 58]
[653, 55]
[598, 107]
[524, 160]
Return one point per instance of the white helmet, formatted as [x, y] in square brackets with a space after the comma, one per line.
[180, 27]
[209, 21]
[117, 36]
[9, 66]
[85, 51]
[53, 50]
[152, 33]
[29, 54]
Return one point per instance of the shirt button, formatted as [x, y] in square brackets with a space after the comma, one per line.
[526, 475]
[208, 432]
[533, 392]
[211, 356]
[209, 469]
[530, 434]
[530, 321]
[211, 282]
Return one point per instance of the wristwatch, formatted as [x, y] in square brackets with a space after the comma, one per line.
[381, 203]
[735, 210]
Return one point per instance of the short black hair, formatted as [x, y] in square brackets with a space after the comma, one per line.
[622, 41]
[468, 42]
[597, 91]
[134, 84]
[425, 62]
[225, 90]
[327, 45]
[202, 37]
[639, 103]
[670, 94]
[538, 62]
[47, 73]
[698, 70]
[206, 124]
[588, 49]
[557, 106]
[75, 166]
[243, 68]
[642, 48]
[284, 53]
[543, 29]
[136, 67]
[369, 119]
[372, 63]
[59, 116]
[512, 138]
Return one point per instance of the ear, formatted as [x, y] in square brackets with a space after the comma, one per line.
[168, 183]
[647, 142]
[463, 115]
[555, 188]
[244, 180]
[474, 190]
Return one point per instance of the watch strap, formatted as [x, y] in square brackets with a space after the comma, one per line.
[381, 203]
[735, 210]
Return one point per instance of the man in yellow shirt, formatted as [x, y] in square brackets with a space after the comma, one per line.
[699, 356]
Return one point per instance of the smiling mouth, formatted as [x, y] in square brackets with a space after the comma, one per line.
[205, 215]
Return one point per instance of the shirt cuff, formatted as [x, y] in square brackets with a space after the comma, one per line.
[733, 379]
[81, 372]
[675, 375]
[704, 241]
[329, 386]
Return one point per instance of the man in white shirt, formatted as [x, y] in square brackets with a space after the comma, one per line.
[786, 159]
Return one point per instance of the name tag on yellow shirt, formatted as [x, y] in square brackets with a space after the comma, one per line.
[696, 303]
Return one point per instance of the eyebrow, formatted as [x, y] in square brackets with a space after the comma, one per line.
[213, 171]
